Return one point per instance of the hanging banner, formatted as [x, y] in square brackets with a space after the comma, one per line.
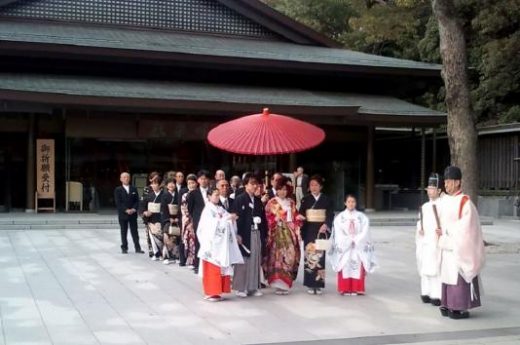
[45, 168]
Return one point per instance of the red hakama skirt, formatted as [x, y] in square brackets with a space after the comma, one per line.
[352, 285]
[213, 282]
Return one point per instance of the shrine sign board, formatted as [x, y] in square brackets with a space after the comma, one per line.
[45, 158]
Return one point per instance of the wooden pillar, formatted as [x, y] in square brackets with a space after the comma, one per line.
[292, 162]
[30, 178]
[370, 170]
[434, 149]
[423, 164]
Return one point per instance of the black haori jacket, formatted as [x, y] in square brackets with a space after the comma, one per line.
[242, 207]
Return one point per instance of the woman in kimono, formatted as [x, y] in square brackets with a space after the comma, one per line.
[143, 204]
[169, 215]
[351, 252]
[218, 247]
[319, 214]
[187, 231]
[151, 211]
[283, 239]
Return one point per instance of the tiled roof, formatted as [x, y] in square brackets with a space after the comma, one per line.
[202, 45]
[192, 92]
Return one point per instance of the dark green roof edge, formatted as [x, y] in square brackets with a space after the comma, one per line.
[155, 41]
[193, 92]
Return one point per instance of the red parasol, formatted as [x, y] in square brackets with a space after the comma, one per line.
[265, 134]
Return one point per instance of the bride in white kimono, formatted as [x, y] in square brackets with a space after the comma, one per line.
[218, 248]
[351, 252]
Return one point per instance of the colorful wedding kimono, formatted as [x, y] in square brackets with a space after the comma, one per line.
[351, 252]
[218, 249]
[283, 243]
[187, 232]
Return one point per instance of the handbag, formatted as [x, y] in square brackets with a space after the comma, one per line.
[154, 207]
[322, 243]
[173, 209]
[174, 230]
[155, 228]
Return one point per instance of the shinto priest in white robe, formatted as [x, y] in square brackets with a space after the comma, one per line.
[428, 253]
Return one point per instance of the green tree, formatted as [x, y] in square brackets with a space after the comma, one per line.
[407, 29]
[387, 30]
[462, 133]
[330, 17]
[494, 53]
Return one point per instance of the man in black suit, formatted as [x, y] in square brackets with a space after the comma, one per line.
[196, 201]
[127, 202]
[223, 190]
[179, 183]
[271, 191]
[252, 235]
[219, 175]
[234, 185]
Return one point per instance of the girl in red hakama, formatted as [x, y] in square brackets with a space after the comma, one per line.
[352, 253]
[218, 248]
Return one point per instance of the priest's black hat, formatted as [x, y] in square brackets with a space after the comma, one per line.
[452, 173]
[435, 181]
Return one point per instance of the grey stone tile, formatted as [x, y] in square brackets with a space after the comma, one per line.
[68, 283]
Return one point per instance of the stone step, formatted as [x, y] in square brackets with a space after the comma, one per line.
[103, 221]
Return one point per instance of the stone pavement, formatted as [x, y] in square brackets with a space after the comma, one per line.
[74, 287]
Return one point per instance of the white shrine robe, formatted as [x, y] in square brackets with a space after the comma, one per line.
[428, 253]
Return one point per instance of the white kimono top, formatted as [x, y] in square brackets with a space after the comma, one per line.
[351, 245]
[428, 253]
[217, 237]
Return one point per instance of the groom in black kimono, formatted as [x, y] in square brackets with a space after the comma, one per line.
[252, 235]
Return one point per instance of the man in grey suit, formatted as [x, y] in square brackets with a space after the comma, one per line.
[301, 185]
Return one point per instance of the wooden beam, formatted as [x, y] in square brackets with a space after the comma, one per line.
[31, 168]
[370, 169]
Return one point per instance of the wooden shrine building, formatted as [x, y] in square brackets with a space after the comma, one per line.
[136, 84]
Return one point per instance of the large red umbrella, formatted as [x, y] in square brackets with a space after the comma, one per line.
[265, 134]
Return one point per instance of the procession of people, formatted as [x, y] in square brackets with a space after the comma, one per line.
[246, 236]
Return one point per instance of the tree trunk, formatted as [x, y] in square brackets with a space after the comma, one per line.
[462, 134]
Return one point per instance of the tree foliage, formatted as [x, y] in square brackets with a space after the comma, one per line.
[407, 29]
[495, 55]
[330, 17]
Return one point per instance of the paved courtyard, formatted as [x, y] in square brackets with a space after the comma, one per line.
[74, 287]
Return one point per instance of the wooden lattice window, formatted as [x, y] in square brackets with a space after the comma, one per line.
[208, 16]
